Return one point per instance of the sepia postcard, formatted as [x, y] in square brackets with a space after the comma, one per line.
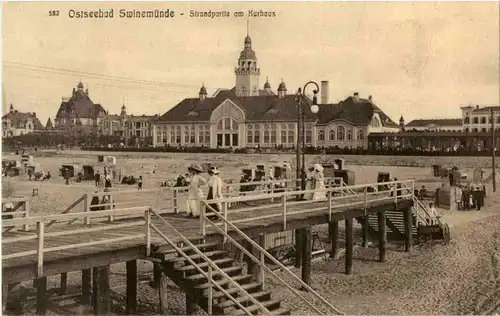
[248, 158]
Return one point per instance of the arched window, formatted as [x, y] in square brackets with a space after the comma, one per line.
[375, 122]
[172, 137]
[309, 137]
[321, 135]
[219, 124]
[192, 138]
[475, 120]
[249, 137]
[200, 137]
[234, 124]
[341, 133]
[361, 135]
[207, 137]
[291, 137]
[266, 137]
[256, 137]
[186, 136]
[283, 137]
[273, 137]
[349, 134]
[331, 135]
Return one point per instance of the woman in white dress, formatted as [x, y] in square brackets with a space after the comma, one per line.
[319, 183]
[309, 183]
[214, 189]
[195, 194]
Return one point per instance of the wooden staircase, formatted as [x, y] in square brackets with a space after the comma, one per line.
[187, 277]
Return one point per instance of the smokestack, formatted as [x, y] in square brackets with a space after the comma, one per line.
[324, 92]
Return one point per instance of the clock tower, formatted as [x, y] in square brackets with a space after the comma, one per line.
[247, 71]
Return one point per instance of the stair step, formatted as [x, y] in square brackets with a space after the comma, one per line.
[204, 246]
[238, 279]
[229, 270]
[255, 308]
[210, 254]
[282, 311]
[233, 289]
[243, 299]
[204, 265]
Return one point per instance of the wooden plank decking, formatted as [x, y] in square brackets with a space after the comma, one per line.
[106, 251]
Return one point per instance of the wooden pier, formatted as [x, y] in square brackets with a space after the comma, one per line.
[95, 240]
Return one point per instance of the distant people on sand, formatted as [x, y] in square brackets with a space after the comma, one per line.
[433, 214]
[214, 188]
[97, 179]
[195, 194]
[309, 183]
[107, 180]
[139, 183]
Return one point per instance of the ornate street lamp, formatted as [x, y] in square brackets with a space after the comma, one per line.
[300, 98]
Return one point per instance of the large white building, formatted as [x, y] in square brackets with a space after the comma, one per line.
[478, 119]
[247, 116]
[16, 123]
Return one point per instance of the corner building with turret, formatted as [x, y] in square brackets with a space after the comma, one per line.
[250, 116]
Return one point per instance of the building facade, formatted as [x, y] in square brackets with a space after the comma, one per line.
[247, 116]
[435, 125]
[478, 119]
[16, 123]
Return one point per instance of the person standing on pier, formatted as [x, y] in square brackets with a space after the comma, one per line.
[310, 183]
[195, 193]
[214, 188]
[319, 183]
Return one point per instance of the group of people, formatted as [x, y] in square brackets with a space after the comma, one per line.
[106, 178]
[315, 181]
[195, 192]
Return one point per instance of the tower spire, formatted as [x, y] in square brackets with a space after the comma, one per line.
[248, 26]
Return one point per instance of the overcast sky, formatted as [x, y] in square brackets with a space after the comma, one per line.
[421, 60]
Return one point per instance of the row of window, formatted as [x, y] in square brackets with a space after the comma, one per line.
[189, 137]
[253, 137]
[482, 129]
[341, 135]
[480, 120]
[19, 125]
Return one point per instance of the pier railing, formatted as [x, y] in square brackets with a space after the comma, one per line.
[40, 236]
[20, 207]
[263, 255]
[212, 266]
[333, 199]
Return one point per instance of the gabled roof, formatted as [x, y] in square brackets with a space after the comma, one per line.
[438, 122]
[232, 93]
[486, 108]
[82, 106]
[19, 117]
[355, 112]
[256, 108]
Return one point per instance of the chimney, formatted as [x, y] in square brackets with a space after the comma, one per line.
[477, 107]
[324, 92]
[356, 97]
[370, 99]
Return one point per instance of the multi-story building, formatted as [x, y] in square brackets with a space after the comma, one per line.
[17, 123]
[247, 116]
[478, 119]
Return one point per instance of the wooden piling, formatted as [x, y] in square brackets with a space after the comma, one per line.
[306, 237]
[190, 304]
[86, 282]
[156, 274]
[365, 226]
[298, 248]
[41, 296]
[408, 218]
[163, 293]
[382, 237]
[64, 283]
[349, 245]
[102, 302]
[256, 268]
[333, 233]
[131, 286]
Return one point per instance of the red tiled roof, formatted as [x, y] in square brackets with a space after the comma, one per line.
[82, 106]
[438, 122]
[355, 112]
[20, 117]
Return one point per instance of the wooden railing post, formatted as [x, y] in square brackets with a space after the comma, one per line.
[365, 199]
[272, 190]
[284, 212]
[210, 290]
[395, 194]
[224, 209]
[203, 211]
[40, 225]
[111, 217]
[176, 203]
[147, 217]
[262, 277]
[26, 214]
[86, 208]
[330, 205]
[341, 187]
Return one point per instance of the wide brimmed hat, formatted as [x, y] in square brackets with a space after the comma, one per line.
[214, 170]
[311, 167]
[195, 167]
[318, 167]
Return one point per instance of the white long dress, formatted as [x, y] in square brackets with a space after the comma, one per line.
[195, 195]
[309, 185]
[319, 186]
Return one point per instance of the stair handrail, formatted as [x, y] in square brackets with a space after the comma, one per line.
[418, 205]
[211, 264]
[262, 251]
